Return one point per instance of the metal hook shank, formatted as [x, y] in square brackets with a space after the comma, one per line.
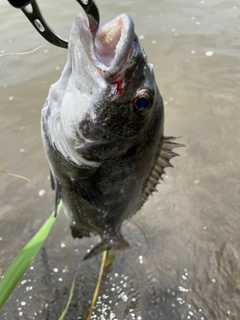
[91, 9]
[37, 20]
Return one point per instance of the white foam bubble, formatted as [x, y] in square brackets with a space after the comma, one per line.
[41, 192]
[209, 53]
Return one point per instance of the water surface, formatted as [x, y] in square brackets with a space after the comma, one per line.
[185, 243]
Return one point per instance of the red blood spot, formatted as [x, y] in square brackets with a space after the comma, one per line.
[119, 87]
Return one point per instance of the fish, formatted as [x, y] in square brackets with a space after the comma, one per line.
[103, 131]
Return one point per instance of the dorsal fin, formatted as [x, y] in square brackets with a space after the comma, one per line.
[166, 154]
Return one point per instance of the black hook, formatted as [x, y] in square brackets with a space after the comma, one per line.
[19, 4]
[36, 18]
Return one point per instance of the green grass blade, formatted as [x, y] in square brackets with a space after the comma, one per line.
[69, 299]
[24, 259]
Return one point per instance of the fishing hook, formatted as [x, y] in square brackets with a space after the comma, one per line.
[34, 15]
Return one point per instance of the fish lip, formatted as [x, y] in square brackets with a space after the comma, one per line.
[109, 53]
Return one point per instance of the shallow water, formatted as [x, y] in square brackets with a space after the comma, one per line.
[185, 250]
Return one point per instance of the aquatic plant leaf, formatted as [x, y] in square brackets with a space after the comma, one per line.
[24, 259]
[69, 299]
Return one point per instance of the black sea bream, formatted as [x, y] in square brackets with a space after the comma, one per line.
[102, 129]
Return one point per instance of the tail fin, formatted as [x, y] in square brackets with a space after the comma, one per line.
[118, 243]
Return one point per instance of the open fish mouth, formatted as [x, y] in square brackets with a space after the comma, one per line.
[112, 40]
[109, 48]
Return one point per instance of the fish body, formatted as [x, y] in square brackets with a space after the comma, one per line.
[102, 130]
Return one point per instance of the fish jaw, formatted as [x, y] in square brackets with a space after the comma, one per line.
[109, 49]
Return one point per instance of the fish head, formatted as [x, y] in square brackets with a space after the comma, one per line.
[108, 99]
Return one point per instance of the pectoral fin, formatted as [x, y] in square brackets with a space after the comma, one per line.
[55, 186]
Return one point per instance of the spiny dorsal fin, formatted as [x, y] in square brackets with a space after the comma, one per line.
[163, 162]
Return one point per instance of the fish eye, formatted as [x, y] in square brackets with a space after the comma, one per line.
[143, 102]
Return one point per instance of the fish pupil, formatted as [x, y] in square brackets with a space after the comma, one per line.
[142, 104]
